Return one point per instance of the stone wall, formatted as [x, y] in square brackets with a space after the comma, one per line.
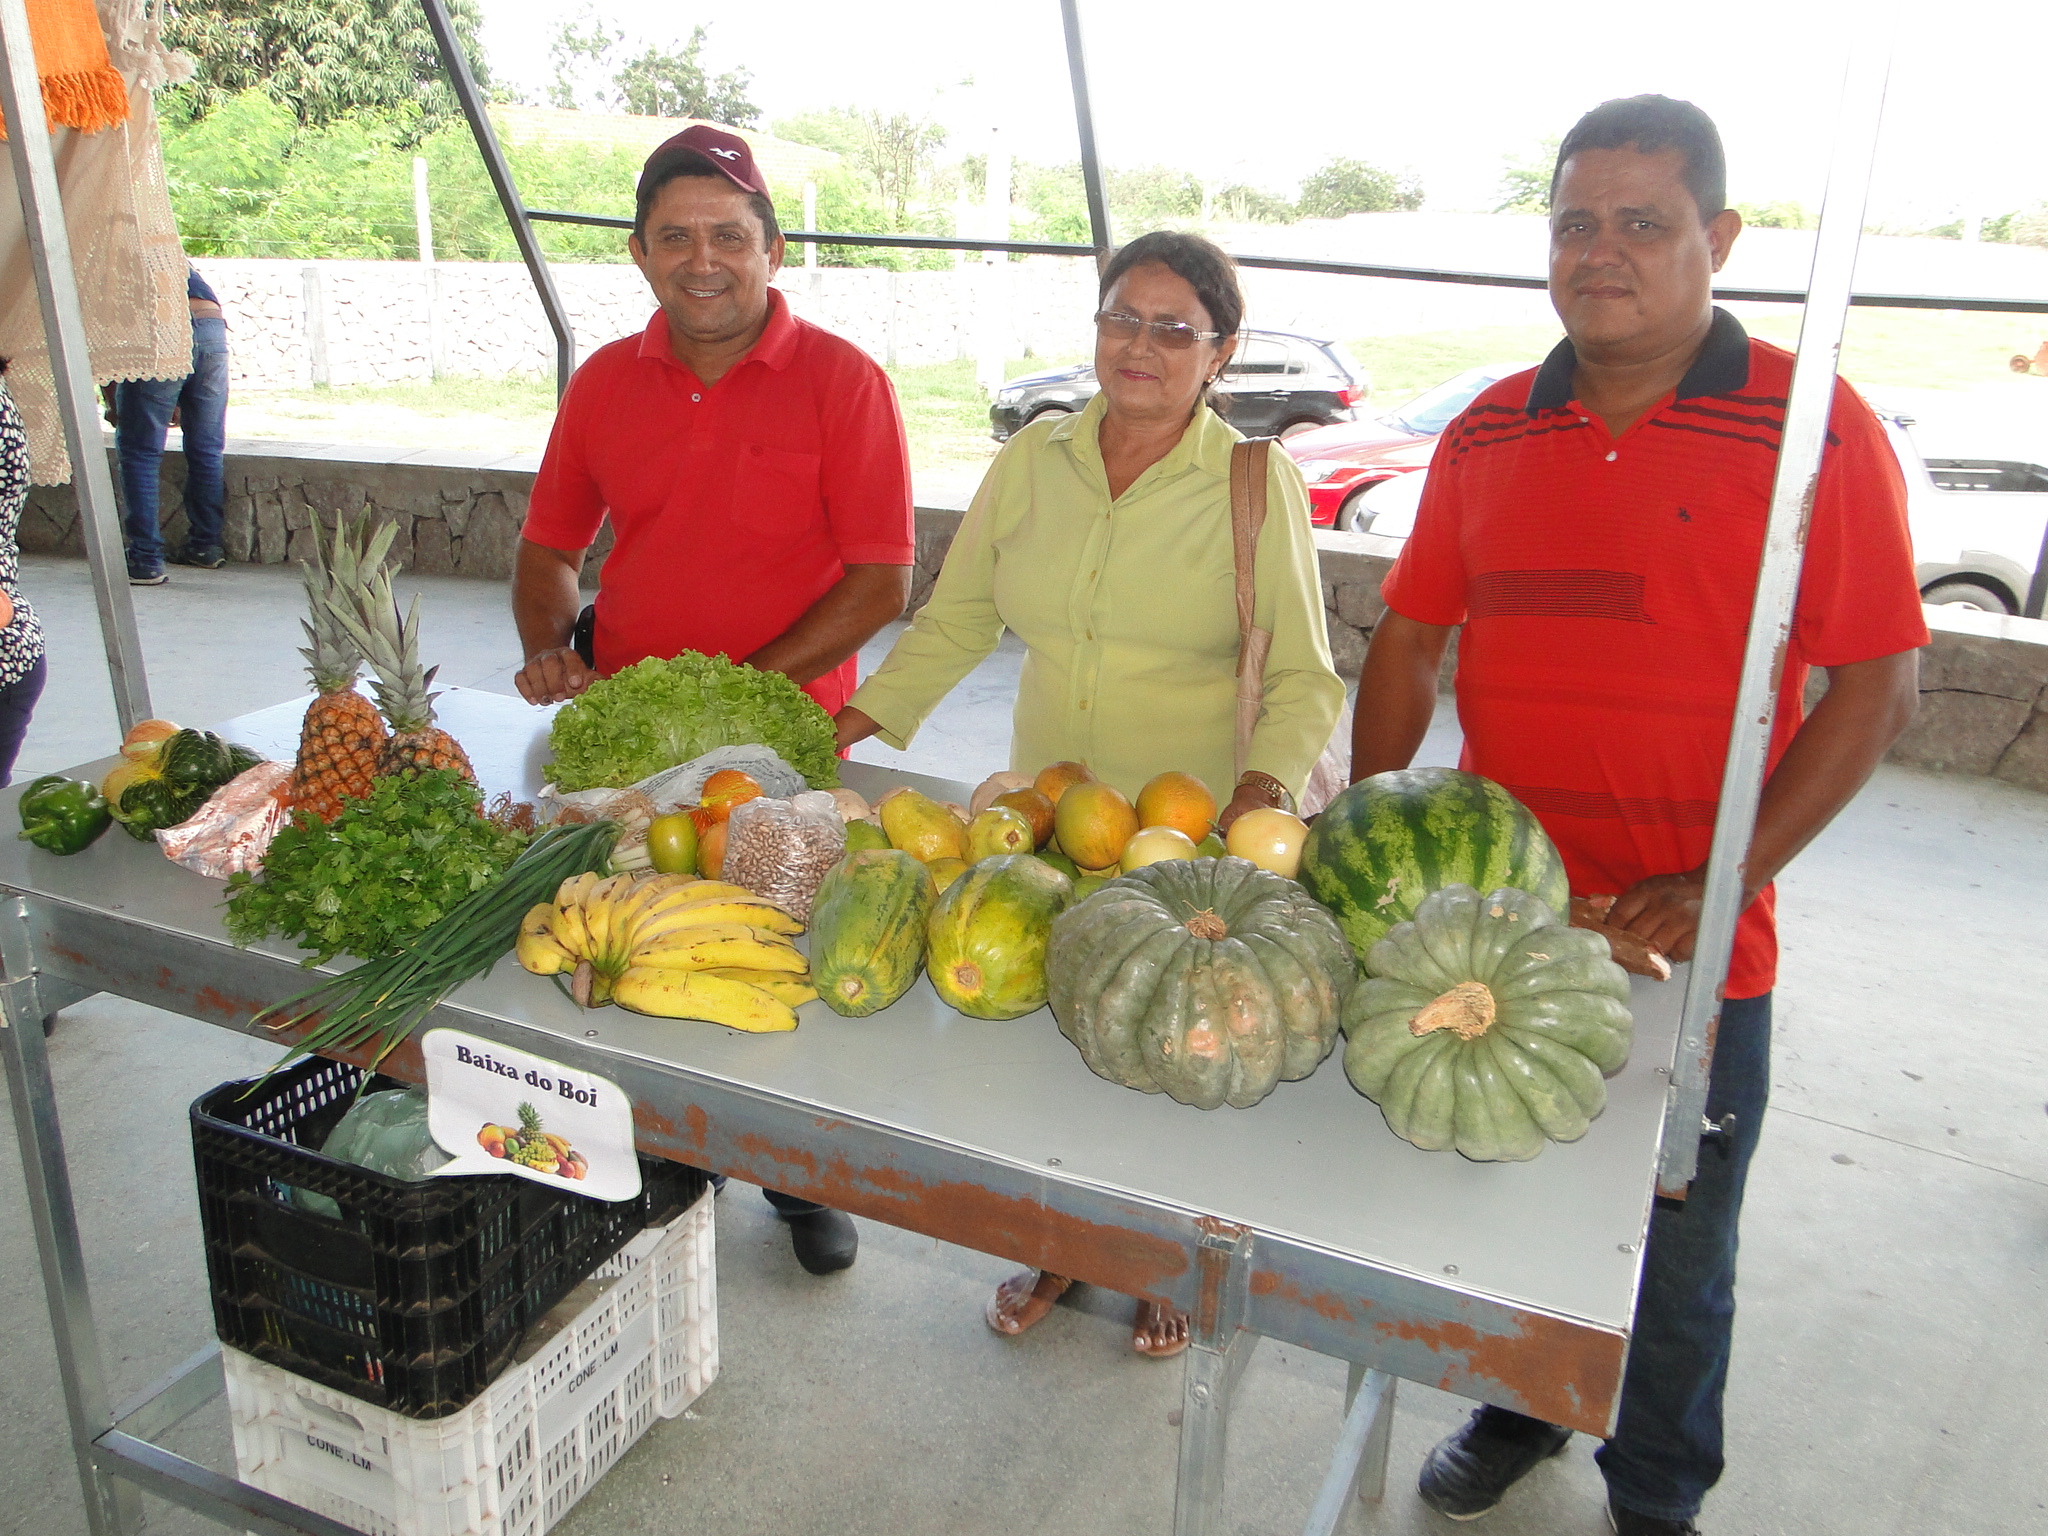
[294, 324]
[1983, 680]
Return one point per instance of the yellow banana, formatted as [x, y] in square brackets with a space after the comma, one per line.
[724, 909]
[696, 995]
[644, 892]
[793, 990]
[575, 888]
[538, 949]
[569, 929]
[692, 893]
[727, 944]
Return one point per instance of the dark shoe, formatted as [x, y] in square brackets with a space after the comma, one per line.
[824, 1240]
[146, 578]
[1626, 1522]
[1466, 1474]
[203, 559]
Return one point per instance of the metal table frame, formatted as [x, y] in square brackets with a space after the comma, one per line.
[1238, 1284]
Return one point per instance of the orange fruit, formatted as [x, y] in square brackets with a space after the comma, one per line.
[1180, 801]
[711, 851]
[1094, 821]
[1270, 838]
[1034, 807]
[1056, 780]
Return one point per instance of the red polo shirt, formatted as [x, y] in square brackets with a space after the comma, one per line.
[1604, 587]
[734, 506]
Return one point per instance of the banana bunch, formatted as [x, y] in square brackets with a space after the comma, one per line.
[671, 946]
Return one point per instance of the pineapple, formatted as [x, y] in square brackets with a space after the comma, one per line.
[391, 646]
[343, 735]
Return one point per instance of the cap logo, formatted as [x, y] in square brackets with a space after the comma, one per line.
[723, 154]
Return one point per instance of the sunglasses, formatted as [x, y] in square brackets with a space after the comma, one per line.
[1171, 334]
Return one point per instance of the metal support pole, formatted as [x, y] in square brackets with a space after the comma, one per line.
[1218, 1350]
[1084, 127]
[2037, 589]
[456, 62]
[49, 247]
[1360, 1462]
[1777, 590]
[111, 1509]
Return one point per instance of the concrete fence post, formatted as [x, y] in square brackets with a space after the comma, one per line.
[316, 326]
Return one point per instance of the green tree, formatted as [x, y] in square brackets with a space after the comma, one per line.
[1780, 215]
[655, 82]
[1355, 186]
[323, 61]
[1525, 179]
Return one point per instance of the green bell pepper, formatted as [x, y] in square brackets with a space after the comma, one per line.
[63, 815]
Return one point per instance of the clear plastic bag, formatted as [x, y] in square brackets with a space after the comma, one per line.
[780, 849]
[386, 1133]
[232, 831]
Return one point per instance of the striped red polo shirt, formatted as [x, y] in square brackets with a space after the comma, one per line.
[1604, 586]
[734, 506]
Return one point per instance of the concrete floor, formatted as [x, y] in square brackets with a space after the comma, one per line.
[1890, 1350]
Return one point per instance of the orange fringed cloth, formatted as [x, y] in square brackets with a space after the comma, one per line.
[81, 87]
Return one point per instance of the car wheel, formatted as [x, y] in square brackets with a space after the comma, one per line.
[1354, 516]
[1965, 594]
[1047, 410]
[1296, 428]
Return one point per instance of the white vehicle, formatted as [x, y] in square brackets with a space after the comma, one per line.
[1977, 524]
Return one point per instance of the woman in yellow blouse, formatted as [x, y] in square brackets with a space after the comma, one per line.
[1103, 539]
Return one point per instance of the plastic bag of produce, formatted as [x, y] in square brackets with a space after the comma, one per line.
[385, 1133]
[232, 831]
[684, 784]
[780, 849]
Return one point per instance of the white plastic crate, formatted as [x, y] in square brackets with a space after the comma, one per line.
[637, 1341]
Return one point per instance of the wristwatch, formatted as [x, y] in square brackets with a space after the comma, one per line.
[1266, 781]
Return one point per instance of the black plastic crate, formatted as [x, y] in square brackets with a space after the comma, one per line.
[420, 1294]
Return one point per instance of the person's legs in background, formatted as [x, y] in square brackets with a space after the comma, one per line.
[825, 1240]
[17, 703]
[203, 417]
[142, 409]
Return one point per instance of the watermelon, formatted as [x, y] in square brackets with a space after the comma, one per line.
[1390, 842]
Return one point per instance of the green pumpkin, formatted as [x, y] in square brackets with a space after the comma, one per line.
[1210, 980]
[867, 930]
[986, 940]
[1487, 1025]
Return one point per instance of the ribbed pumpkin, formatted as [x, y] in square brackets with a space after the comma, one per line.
[867, 930]
[1383, 846]
[986, 939]
[1210, 980]
[1487, 1025]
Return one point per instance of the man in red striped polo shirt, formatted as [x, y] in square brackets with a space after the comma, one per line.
[1593, 529]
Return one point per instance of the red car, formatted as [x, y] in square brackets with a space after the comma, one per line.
[1343, 462]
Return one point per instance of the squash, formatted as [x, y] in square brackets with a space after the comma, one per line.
[1384, 845]
[867, 930]
[986, 939]
[1210, 980]
[1488, 1025]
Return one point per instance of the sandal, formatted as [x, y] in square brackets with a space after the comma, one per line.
[1153, 1313]
[1041, 1287]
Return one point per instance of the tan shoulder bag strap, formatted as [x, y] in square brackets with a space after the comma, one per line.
[1248, 468]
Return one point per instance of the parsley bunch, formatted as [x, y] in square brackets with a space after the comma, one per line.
[384, 870]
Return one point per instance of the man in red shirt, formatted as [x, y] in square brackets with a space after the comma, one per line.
[755, 472]
[1594, 529]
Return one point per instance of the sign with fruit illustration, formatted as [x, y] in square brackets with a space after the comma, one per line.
[500, 1110]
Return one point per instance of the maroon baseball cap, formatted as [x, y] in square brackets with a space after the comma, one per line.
[726, 153]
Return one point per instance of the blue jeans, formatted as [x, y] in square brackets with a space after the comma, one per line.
[143, 408]
[17, 704]
[1666, 1450]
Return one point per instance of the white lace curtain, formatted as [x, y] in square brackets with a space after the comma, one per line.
[124, 245]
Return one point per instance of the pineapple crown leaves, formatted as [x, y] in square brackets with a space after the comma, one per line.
[331, 655]
[529, 1118]
[369, 613]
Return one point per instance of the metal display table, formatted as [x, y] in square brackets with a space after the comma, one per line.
[1302, 1219]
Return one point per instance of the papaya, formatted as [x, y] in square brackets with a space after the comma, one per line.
[944, 872]
[863, 834]
[868, 930]
[999, 830]
[987, 935]
[1033, 807]
[923, 828]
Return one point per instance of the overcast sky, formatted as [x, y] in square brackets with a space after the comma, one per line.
[1266, 93]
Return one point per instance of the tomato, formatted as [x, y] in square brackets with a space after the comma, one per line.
[672, 844]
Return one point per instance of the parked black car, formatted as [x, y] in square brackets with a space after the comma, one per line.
[1278, 383]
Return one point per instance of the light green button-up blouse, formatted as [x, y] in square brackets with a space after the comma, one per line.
[1127, 610]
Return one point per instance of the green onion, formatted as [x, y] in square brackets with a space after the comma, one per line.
[386, 999]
